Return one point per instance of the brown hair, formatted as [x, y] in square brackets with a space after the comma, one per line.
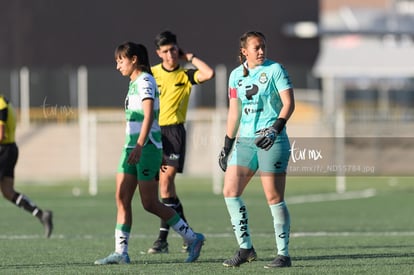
[129, 49]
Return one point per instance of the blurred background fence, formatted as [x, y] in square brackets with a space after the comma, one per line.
[60, 137]
[351, 63]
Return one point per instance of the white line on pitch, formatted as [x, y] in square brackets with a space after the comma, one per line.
[222, 235]
[332, 196]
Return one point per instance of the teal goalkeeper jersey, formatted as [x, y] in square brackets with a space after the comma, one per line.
[259, 95]
[144, 87]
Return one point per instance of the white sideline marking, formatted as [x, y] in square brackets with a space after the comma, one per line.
[331, 196]
[224, 235]
[351, 234]
[290, 200]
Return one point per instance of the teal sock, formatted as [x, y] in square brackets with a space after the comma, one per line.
[239, 220]
[281, 222]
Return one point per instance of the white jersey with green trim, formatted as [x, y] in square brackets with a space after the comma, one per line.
[142, 88]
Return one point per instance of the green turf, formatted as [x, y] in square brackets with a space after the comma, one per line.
[372, 235]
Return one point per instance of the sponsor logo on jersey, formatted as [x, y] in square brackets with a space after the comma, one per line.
[147, 91]
[251, 90]
[248, 110]
[174, 156]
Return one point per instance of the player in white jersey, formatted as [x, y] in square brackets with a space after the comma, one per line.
[141, 156]
[261, 101]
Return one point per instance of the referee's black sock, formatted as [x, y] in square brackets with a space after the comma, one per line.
[178, 207]
[175, 204]
[164, 227]
[24, 202]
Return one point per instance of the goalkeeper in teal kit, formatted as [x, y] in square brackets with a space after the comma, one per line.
[261, 101]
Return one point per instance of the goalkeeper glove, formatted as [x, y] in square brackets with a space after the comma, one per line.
[267, 136]
[224, 154]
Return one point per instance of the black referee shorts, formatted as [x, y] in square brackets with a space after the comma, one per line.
[173, 142]
[8, 159]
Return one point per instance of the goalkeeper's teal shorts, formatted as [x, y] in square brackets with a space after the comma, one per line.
[148, 166]
[246, 153]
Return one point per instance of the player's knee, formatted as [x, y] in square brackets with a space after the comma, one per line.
[123, 202]
[275, 199]
[8, 193]
[149, 206]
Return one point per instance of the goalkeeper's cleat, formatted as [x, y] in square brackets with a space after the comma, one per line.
[242, 256]
[194, 248]
[47, 220]
[158, 247]
[114, 258]
[279, 261]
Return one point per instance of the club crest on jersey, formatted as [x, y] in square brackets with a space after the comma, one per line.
[263, 78]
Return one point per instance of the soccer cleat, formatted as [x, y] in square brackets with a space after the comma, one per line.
[47, 221]
[194, 248]
[279, 261]
[114, 258]
[242, 256]
[159, 246]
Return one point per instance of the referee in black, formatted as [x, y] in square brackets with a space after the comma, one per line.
[8, 159]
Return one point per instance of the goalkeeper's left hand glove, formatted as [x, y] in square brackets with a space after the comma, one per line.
[267, 136]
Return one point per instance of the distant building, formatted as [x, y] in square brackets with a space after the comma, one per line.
[54, 38]
[367, 53]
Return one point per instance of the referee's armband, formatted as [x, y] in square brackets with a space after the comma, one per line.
[232, 93]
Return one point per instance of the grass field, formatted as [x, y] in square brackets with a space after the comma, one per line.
[371, 234]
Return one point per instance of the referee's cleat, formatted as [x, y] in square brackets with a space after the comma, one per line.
[194, 248]
[184, 248]
[158, 247]
[242, 256]
[47, 221]
[279, 261]
[114, 258]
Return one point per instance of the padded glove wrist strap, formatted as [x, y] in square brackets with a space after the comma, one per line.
[279, 124]
[228, 143]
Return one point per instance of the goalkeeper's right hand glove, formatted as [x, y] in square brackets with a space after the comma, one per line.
[225, 151]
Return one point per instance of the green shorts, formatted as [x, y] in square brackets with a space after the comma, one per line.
[148, 166]
[246, 153]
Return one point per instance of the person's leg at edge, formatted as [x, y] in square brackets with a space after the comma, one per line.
[22, 201]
